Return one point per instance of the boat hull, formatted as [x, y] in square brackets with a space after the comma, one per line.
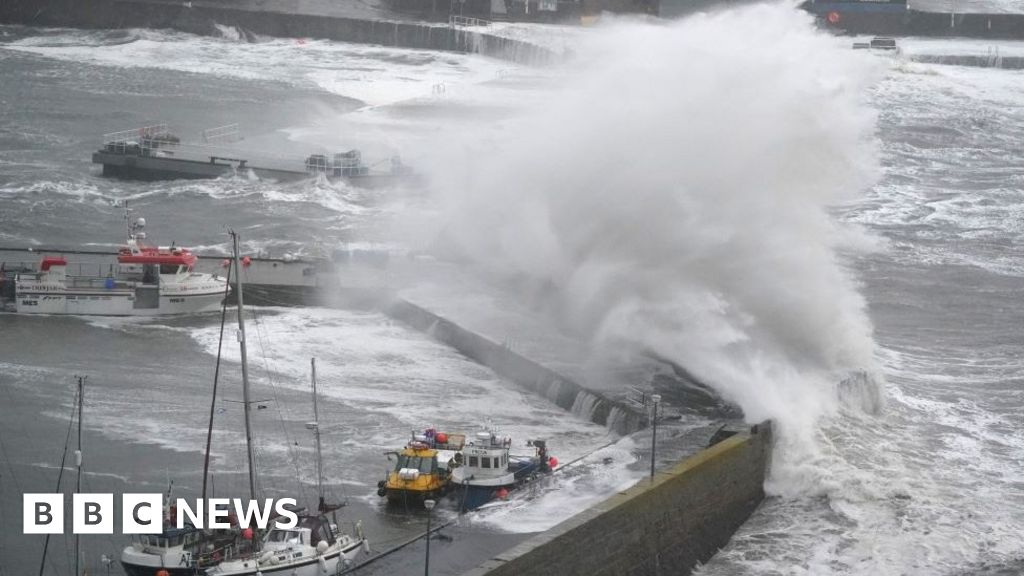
[153, 168]
[413, 498]
[319, 566]
[114, 303]
[175, 561]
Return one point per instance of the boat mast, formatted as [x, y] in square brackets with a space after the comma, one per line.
[245, 369]
[321, 506]
[78, 463]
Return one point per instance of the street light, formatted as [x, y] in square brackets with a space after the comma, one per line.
[429, 505]
[656, 398]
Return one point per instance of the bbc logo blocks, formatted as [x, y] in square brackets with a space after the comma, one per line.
[92, 513]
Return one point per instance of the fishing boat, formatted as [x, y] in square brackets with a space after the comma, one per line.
[314, 546]
[145, 281]
[422, 469]
[486, 470]
[174, 550]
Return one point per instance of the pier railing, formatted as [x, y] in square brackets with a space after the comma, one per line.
[455, 21]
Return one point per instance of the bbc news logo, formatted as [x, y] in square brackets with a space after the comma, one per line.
[144, 513]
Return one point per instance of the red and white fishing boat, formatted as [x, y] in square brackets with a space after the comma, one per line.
[145, 281]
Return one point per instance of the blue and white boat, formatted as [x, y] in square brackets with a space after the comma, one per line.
[485, 469]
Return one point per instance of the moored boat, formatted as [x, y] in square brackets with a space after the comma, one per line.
[145, 281]
[487, 470]
[422, 469]
[312, 548]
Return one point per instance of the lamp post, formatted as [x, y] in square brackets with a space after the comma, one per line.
[429, 505]
[656, 398]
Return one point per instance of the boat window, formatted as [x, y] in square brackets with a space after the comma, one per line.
[472, 461]
[496, 465]
[168, 268]
[403, 462]
[291, 536]
[486, 462]
[426, 465]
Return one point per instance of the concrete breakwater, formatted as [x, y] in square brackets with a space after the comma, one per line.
[202, 18]
[662, 527]
[620, 417]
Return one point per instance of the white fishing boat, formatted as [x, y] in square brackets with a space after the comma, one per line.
[486, 469]
[145, 281]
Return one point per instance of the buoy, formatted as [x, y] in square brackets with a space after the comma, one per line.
[441, 438]
[246, 261]
[552, 462]
[247, 533]
[502, 493]
[321, 547]
[833, 17]
[225, 263]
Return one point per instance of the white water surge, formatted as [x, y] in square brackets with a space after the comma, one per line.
[674, 191]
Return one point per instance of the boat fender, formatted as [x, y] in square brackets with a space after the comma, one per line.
[382, 491]
[266, 556]
[321, 547]
[323, 565]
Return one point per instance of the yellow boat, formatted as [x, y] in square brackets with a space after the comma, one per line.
[422, 469]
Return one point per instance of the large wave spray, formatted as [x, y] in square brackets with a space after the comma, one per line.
[673, 190]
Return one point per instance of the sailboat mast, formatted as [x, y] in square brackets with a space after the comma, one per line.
[316, 435]
[245, 369]
[78, 464]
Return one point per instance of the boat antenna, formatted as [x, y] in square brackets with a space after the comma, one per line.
[78, 464]
[216, 377]
[315, 426]
[245, 373]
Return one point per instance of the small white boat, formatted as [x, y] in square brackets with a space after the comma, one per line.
[313, 548]
[146, 281]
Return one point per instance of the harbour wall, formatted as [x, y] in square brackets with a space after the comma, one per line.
[200, 18]
[569, 395]
[662, 527]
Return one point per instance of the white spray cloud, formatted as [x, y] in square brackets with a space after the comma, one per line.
[674, 190]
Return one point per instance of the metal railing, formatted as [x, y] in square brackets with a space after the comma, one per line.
[138, 140]
[455, 20]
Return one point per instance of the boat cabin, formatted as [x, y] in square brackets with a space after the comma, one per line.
[310, 531]
[186, 537]
[486, 456]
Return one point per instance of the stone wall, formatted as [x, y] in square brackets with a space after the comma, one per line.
[665, 527]
[199, 18]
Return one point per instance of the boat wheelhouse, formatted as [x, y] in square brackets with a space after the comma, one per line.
[422, 469]
[171, 550]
